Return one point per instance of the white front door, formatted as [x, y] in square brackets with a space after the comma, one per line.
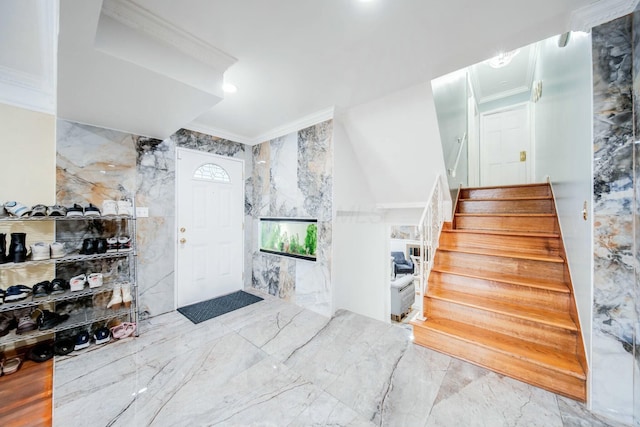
[210, 215]
[505, 147]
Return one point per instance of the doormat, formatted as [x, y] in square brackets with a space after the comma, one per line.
[205, 310]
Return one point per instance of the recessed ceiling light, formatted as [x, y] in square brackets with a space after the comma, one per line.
[229, 88]
[502, 59]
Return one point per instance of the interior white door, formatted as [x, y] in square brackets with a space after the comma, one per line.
[505, 147]
[210, 215]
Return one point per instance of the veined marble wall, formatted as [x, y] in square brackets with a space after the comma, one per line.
[614, 304]
[293, 177]
[94, 164]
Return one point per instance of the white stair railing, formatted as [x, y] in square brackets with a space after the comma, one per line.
[429, 227]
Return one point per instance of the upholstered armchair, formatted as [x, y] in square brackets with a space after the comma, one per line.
[400, 264]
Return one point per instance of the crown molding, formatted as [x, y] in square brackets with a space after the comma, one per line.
[29, 90]
[138, 18]
[294, 126]
[594, 14]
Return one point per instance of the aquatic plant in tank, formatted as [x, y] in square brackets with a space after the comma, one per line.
[292, 237]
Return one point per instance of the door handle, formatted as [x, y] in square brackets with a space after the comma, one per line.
[183, 240]
[523, 156]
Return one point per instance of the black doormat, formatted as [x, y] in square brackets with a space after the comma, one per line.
[205, 310]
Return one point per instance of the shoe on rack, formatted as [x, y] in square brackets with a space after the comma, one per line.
[123, 330]
[126, 294]
[102, 335]
[57, 250]
[124, 207]
[124, 244]
[77, 283]
[16, 293]
[42, 289]
[11, 366]
[39, 210]
[25, 321]
[112, 244]
[100, 245]
[88, 247]
[7, 322]
[40, 251]
[63, 347]
[17, 209]
[75, 210]
[109, 207]
[116, 298]
[41, 352]
[59, 286]
[48, 319]
[4, 258]
[56, 210]
[3, 211]
[91, 210]
[83, 339]
[95, 280]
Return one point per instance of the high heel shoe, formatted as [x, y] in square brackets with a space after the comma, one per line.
[116, 298]
[126, 294]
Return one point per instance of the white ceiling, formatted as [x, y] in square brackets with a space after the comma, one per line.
[296, 59]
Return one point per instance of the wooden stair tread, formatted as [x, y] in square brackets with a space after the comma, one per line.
[504, 254]
[538, 354]
[497, 187]
[504, 199]
[550, 285]
[519, 215]
[534, 314]
[502, 233]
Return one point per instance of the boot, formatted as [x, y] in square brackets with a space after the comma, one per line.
[18, 247]
[116, 298]
[3, 249]
[126, 294]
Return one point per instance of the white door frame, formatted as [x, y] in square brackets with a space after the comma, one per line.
[532, 142]
[176, 225]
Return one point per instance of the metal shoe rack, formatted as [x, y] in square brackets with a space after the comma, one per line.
[89, 315]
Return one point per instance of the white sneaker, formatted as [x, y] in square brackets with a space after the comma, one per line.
[95, 280]
[112, 244]
[40, 251]
[77, 283]
[57, 250]
[124, 207]
[109, 207]
[126, 294]
[124, 244]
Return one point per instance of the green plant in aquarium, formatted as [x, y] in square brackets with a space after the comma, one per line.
[311, 240]
[294, 246]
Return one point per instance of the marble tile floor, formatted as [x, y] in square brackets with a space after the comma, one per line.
[276, 364]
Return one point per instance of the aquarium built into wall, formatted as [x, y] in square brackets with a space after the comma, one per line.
[292, 237]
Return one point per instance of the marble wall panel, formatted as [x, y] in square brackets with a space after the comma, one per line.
[636, 217]
[292, 176]
[614, 318]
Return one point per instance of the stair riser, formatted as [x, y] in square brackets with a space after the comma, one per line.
[506, 223]
[521, 244]
[493, 264]
[549, 379]
[558, 338]
[505, 206]
[505, 192]
[505, 292]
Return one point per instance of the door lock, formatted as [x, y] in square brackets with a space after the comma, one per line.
[523, 156]
[182, 229]
[183, 240]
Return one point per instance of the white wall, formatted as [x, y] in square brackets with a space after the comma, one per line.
[563, 129]
[397, 143]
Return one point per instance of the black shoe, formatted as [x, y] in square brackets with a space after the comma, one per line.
[42, 289]
[39, 210]
[101, 245]
[41, 352]
[48, 319]
[88, 247]
[75, 210]
[91, 210]
[59, 286]
[63, 347]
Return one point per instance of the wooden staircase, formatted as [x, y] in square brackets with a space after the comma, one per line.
[499, 294]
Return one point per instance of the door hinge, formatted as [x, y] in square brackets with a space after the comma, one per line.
[523, 156]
